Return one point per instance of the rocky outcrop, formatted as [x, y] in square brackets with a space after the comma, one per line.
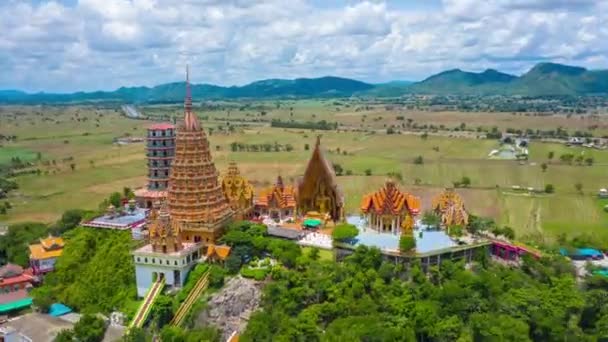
[230, 309]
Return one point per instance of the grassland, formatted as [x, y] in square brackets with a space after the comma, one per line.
[84, 136]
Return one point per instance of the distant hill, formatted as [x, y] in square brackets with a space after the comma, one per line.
[542, 79]
[174, 92]
[462, 82]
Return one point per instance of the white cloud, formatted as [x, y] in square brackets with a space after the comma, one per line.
[104, 44]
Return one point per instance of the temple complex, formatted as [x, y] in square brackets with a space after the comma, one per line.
[43, 255]
[450, 208]
[160, 149]
[277, 202]
[317, 191]
[239, 192]
[195, 197]
[390, 209]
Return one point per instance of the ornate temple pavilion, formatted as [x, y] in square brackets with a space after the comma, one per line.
[317, 190]
[195, 197]
[276, 202]
[450, 207]
[238, 191]
[390, 209]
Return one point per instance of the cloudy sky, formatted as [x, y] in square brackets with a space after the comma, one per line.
[68, 45]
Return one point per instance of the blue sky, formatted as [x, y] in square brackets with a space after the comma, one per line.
[70, 45]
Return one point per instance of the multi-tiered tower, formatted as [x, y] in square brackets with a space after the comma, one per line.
[160, 148]
[195, 197]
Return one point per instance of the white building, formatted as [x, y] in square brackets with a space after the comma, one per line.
[173, 267]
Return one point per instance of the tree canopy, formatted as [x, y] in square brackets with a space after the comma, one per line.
[365, 298]
[94, 274]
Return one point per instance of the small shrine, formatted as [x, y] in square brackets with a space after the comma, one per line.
[390, 209]
[43, 255]
[166, 256]
[277, 202]
[217, 253]
[194, 195]
[239, 192]
[317, 191]
[449, 206]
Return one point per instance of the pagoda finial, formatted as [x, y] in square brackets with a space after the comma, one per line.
[190, 120]
[188, 100]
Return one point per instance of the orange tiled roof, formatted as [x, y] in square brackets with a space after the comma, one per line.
[390, 200]
[283, 195]
[222, 251]
[51, 247]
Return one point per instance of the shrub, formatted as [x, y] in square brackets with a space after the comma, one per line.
[406, 243]
[344, 232]
[418, 160]
[549, 188]
[258, 274]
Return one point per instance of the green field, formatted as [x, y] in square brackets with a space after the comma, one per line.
[62, 133]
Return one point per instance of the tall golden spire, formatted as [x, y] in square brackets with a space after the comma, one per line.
[191, 122]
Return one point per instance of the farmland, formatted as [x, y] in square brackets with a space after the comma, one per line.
[80, 165]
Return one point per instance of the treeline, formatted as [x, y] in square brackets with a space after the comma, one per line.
[265, 147]
[320, 125]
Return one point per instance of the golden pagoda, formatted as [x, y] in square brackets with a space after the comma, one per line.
[195, 198]
[450, 208]
[390, 209]
[317, 190]
[164, 234]
[238, 191]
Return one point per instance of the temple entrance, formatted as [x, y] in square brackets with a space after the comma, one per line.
[197, 239]
[177, 280]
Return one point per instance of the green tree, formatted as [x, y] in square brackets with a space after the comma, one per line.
[116, 199]
[344, 232]
[89, 329]
[406, 243]
[65, 335]
[338, 169]
[431, 219]
[550, 155]
[543, 166]
[579, 187]
[368, 172]
[549, 188]
[419, 160]
[162, 311]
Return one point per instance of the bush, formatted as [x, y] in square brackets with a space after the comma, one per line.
[258, 274]
[368, 172]
[418, 160]
[549, 188]
[344, 232]
[406, 243]
[216, 276]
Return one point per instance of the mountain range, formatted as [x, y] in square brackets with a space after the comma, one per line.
[542, 80]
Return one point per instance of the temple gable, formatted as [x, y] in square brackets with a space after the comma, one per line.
[318, 189]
